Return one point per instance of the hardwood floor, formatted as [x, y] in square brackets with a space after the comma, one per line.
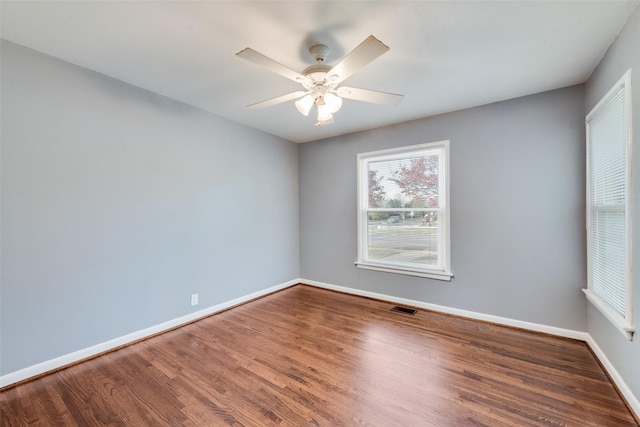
[308, 356]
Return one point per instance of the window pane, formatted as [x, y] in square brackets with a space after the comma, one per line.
[403, 211]
[608, 256]
[404, 183]
[608, 148]
[403, 237]
[608, 232]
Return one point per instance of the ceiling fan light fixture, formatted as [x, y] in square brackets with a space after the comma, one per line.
[322, 82]
[332, 102]
[324, 113]
[325, 122]
[304, 104]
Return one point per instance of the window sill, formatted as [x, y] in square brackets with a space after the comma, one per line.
[445, 276]
[613, 316]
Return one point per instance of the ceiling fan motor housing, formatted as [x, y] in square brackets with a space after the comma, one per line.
[319, 52]
[317, 75]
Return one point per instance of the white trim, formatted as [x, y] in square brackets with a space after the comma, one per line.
[613, 316]
[615, 376]
[567, 333]
[632, 400]
[624, 323]
[58, 362]
[406, 271]
[624, 80]
[70, 358]
[399, 152]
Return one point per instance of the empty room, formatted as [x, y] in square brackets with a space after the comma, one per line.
[328, 213]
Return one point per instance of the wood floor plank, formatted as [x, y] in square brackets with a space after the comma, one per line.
[308, 356]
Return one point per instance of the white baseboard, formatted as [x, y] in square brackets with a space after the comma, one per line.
[615, 376]
[70, 358]
[632, 400]
[567, 333]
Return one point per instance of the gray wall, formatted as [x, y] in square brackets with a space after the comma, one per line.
[117, 204]
[517, 209]
[622, 55]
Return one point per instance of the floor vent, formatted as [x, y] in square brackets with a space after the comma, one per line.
[405, 310]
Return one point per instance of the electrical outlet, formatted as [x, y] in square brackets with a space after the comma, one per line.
[194, 299]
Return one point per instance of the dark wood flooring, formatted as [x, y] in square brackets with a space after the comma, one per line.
[308, 356]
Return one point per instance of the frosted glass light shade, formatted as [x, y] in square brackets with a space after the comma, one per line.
[333, 102]
[304, 104]
[326, 122]
[324, 113]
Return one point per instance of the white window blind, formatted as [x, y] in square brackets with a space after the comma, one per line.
[608, 206]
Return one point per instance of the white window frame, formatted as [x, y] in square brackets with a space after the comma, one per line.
[622, 321]
[443, 272]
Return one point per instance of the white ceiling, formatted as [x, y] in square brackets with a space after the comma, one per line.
[445, 55]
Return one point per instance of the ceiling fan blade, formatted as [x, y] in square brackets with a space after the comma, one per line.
[365, 52]
[264, 61]
[273, 101]
[369, 95]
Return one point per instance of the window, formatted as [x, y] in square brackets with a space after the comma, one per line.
[608, 205]
[403, 210]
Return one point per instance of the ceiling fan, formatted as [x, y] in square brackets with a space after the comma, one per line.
[321, 82]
